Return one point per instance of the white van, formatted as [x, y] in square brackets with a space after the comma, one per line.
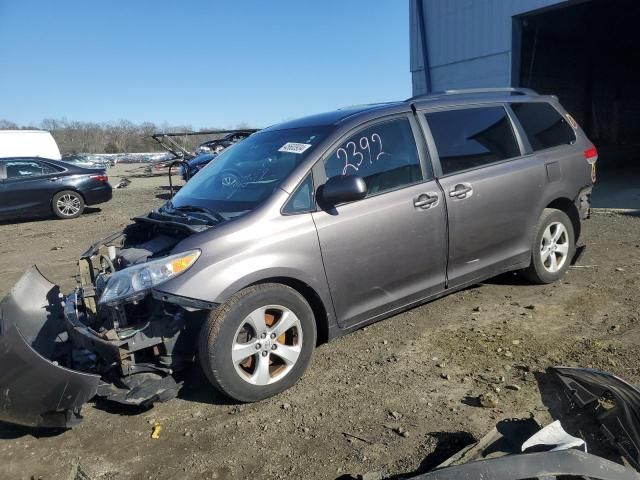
[28, 143]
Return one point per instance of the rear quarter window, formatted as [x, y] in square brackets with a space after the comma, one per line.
[544, 125]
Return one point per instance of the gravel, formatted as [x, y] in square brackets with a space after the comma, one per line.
[353, 383]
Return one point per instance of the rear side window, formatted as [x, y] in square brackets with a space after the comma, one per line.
[384, 155]
[471, 138]
[544, 125]
[28, 168]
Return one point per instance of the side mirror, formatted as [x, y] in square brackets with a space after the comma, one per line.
[341, 189]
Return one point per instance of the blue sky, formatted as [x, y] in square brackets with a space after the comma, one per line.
[202, 63]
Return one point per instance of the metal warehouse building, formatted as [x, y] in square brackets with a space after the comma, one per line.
[586, 52]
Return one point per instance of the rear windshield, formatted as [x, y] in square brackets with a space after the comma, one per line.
[246, 174]
[544, 125]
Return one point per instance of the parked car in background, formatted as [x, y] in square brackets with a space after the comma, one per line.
[209, 150]
[216, 146]
[84, 162]
[190, 167]
[28, 143]
[78, 161]
[335, 221]
[31, 186]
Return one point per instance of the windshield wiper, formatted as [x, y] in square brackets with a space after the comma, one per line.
[207, 211]
[184, 209]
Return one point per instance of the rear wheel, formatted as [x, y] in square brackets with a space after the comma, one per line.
[553, 247]
[67, 204]
[258, 343]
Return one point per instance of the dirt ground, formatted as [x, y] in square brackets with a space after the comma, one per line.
[393, 397]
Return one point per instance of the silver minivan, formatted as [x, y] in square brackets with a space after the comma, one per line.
[330, 222]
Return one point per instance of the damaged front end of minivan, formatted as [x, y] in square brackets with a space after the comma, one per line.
[114, 336]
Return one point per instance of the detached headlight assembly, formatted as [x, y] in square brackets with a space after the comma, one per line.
[132, 281]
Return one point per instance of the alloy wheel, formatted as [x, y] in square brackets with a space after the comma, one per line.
[554, 247]
[267, 345]
[68, 205]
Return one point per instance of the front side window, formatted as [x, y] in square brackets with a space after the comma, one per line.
[302, 199]
[384, 155]
[471, 138]
[544, 125]
[243, 176]
[27, 168]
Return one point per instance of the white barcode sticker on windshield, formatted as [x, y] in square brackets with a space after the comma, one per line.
[293, 147]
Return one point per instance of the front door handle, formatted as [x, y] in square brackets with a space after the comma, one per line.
[461, 190]
[425, 200]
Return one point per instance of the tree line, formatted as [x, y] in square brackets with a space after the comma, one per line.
[112, 137]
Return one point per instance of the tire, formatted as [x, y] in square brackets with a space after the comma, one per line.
[553, 247]
[67, 204]
[249, 323]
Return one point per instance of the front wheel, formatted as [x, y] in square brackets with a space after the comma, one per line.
[258, 343]
[67, 204]
[553, 247]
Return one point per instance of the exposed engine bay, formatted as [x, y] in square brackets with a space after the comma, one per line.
[114, 336]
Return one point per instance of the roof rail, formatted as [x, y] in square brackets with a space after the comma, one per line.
[470, 91]
[364, 105]
[515, 90]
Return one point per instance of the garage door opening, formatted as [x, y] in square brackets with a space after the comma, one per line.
[588, 54]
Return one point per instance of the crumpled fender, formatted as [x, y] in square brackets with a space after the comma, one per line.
[35, 391]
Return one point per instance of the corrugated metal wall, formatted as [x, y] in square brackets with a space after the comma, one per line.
[469, 42]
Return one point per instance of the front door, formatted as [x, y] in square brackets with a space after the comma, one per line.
[389, 249]
[491, 190]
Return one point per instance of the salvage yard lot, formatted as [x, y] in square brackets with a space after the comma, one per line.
[377, 400]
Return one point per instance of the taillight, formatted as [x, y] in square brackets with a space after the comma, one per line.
[100, 178]
[591, 155]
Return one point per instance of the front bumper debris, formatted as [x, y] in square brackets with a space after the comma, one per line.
[35, 389]
[55, 354]
[614, 403]
[570, 463]
[518, 449]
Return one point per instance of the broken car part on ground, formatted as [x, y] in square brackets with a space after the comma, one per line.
[518, 449]
[614, 403]
[540, 465]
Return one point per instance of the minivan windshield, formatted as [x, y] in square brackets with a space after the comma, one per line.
[244, 175]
